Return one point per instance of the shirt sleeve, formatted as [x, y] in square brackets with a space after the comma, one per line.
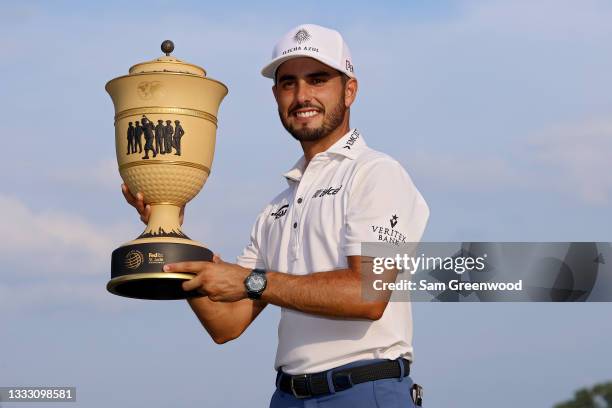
[384, 205]
[252, 256]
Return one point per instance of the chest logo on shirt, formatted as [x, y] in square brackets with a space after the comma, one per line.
[329, 191]
[280, 212]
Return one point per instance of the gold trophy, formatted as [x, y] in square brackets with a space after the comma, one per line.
[165, 130]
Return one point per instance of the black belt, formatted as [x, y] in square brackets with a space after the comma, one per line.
[310, 385]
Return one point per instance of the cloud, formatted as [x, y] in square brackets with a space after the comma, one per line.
[572, 159]
[465, 172]
[579, 157]
[53, 258]
[104, 173]
[551, 19]
[51, 241]
[57, 295]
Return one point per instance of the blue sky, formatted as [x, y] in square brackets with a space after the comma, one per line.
[499, 110]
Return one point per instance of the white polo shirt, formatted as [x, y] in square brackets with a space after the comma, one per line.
[346, 195]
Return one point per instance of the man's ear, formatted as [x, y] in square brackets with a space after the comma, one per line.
[350, 92]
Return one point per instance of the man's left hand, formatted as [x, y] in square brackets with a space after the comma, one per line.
[220, 281]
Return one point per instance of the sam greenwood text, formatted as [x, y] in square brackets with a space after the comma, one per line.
[454, 285]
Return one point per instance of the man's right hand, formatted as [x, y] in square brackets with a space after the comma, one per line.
[144, 210]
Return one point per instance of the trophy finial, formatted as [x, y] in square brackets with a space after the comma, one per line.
[167, 47]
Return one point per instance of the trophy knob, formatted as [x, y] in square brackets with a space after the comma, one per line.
[167, 47]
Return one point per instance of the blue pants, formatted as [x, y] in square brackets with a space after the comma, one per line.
[387, 393]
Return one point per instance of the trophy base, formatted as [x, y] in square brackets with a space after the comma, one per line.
[136, 269]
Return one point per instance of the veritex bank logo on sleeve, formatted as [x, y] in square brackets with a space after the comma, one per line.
[386, 234]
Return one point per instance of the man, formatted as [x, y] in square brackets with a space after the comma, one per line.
[305, 248]
[168, 135]
[130, 138]
[160, 138]
[147, 128]
[137, 138]
[178, 134]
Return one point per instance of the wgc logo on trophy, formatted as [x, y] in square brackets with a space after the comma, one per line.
[165, 131]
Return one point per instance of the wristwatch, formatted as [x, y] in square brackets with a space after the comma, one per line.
[255, 283]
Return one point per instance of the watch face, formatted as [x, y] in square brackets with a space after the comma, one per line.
[256, 282]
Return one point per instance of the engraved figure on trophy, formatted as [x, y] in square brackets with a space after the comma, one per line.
[130, 138]
[137, 138]
[159, 137]
[178, 134]
[168, 136]
[147, 128]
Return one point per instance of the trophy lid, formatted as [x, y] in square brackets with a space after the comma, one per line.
[167, 63]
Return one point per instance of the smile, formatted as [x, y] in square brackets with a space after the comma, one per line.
[306, 113]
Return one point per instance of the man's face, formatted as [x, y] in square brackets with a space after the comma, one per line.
[310, 97]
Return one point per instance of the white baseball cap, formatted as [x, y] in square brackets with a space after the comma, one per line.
[311, 40]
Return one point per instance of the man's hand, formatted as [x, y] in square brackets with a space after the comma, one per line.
[144, 210]
[220, 281]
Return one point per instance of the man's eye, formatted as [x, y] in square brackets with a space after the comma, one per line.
[317, 81]
[288, 84]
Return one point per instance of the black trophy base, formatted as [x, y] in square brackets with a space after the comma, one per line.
[136, 270]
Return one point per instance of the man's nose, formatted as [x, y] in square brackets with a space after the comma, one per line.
[303, 92]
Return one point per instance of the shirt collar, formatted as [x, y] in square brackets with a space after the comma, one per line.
[349, 145]
[295, 173]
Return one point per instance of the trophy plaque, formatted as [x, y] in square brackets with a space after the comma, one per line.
[165, 130]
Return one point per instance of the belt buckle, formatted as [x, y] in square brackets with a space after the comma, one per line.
[342, 381]
[300, 376]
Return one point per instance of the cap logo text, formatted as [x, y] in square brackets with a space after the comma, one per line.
[298, 48]
[349, 66]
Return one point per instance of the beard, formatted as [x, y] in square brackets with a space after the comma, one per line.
[331, 122]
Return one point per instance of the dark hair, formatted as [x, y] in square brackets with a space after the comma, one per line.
[345, 78]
